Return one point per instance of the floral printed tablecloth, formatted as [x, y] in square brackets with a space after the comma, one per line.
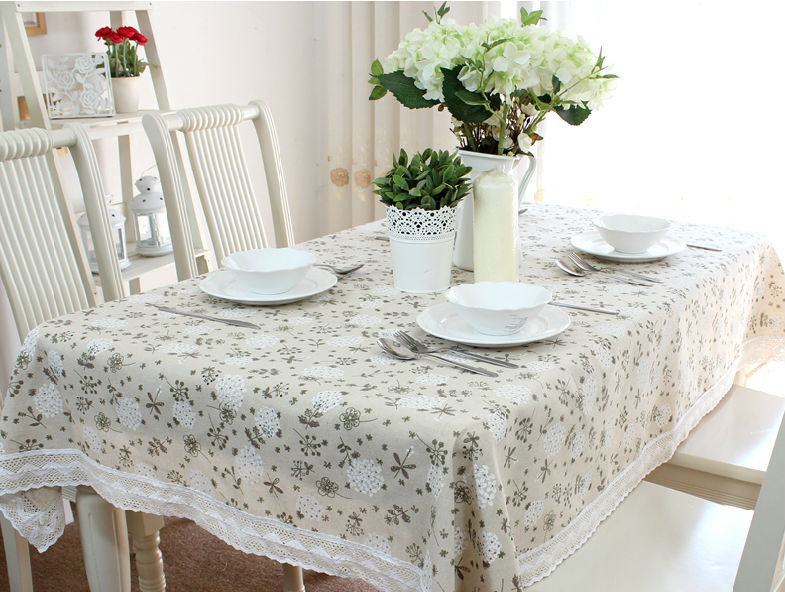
[305, 443]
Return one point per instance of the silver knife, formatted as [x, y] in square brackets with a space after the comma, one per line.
[482, 358]
[588, 308]
[233, 322]
[705, 247]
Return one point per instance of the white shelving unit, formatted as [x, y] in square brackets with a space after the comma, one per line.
[19, 77]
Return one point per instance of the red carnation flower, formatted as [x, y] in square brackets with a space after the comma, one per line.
[140, 39]
[103, 32]
[127, 32]
[115, 37]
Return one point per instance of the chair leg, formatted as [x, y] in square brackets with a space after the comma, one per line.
[104, 537]
[292, 578]
[149, 561]
[17, 557]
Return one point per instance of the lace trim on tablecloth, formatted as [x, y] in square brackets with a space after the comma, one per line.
[37, 513]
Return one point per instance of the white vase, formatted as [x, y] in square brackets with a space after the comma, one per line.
[421, 243]
[463, 255]
[126, 94]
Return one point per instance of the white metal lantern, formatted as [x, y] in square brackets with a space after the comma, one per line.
[118, 232]
[150, 221]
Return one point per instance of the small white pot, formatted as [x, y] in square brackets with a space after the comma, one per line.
[126, 94]
[421, 243]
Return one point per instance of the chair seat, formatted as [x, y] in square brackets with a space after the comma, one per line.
[724, 458]
[657, 540]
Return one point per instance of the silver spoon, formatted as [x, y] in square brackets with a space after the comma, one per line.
[401, 352]
[340, 270]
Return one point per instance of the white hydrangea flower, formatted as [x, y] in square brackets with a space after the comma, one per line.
[107, 323]
[420, 402]
[262, 341]
[127, 409]
[367, 321]
[93, 440]
[249, 464]
[379, 543]
[238, 360]
[230, 389]
[326, 400]
[489, 546]
[435, 480]
[267, 421]
[517, 393]
[184, 413]
[178, 347]
[48, 401]
[346, 341]
[432, 379]
[145, 469]
[554, 439]
[485, 486]
[365, 476]
[97, 346]
[533, 512]
[322, 372]
[30, 343]
[55, 362]
[200, 482]
[459, 542]
[497, 424]
[310, 507]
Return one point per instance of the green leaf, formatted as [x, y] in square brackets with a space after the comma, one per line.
[556, 83]
[376, 68]
[404, 90]
[457, 106]
[575, 115]
[470, 98]
[531, 18]
[377, 93]
[400, 182]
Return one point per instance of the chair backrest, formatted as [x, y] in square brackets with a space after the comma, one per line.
[42, 264]
[218, 161]
[761, 567]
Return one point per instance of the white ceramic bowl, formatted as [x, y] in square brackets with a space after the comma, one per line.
[269, 271]
[628, 233]
[498, 308]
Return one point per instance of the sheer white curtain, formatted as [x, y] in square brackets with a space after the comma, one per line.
[694, 128]
[360, 137]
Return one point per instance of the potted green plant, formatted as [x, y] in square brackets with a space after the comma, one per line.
[421, 196]
[125, 67]
[498, 80]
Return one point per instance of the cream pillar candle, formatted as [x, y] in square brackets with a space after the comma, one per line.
[495, 228]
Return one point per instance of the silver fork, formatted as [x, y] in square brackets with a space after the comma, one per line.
[579, 260]
[582, 269]
[421, 348]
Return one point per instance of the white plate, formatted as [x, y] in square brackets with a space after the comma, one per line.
[222, 284]
[442, 321]
[593, 244]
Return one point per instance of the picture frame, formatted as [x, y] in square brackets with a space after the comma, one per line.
[78, 85]
[35, 23]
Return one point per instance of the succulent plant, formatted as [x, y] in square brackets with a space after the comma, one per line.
[432, 180]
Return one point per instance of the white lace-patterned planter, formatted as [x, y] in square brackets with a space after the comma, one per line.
[421, 242]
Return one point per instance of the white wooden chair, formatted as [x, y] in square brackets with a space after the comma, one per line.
[724, 458]
[45, 274]
[232, 210]
[659, 539]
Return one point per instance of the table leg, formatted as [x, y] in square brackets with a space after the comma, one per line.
[292, 578]
[17, 557]
[104, 537]
[149, 561]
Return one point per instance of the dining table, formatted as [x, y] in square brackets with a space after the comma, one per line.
[301, 440]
